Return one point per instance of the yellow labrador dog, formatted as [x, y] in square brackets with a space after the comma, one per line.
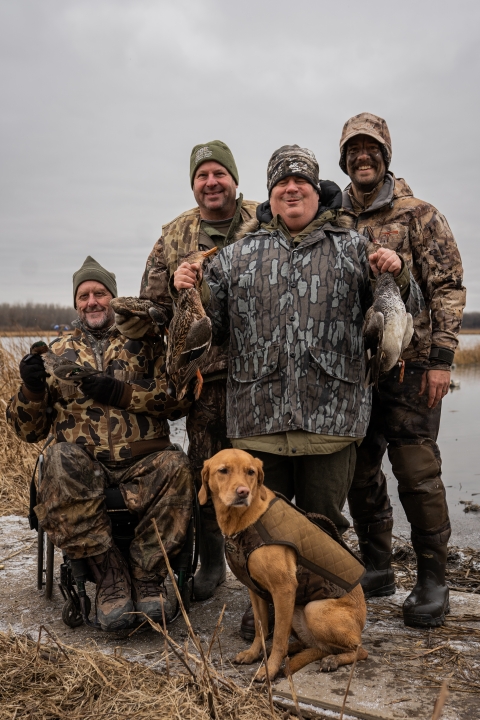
[328, 630]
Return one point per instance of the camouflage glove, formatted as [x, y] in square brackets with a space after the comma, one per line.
[132, 327]
[33, 373]
[104, 389]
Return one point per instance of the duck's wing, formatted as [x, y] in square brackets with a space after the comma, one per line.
[408, 333]
[373, 329]
[192, 347]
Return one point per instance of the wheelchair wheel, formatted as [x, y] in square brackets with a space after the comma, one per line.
[71, 615]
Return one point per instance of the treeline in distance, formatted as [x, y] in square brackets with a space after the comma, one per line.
[44, 316]
[41, 316]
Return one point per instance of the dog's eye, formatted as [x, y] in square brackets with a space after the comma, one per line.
[250, 471]
[223, 470]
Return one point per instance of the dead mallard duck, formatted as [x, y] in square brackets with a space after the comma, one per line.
[189, 336]
[59, 367]
[137, 307]
[387, 329]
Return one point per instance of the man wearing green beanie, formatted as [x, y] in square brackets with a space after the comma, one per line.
[214, 222]
[110, 430]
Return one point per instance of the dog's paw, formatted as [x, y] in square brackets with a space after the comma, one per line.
[246, 657]
[261, 676]
[329, 664]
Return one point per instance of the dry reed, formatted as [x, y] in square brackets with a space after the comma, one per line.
[17, 458]
[468, 356]
[51, 680]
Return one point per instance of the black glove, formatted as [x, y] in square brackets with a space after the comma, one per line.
[33, 373]
[104, 389]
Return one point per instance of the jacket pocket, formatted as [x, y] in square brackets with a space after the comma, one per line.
[338, 366]
[255, 365]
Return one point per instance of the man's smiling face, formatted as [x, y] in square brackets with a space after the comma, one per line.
[365, 162]
[92, 301]
[215, 191]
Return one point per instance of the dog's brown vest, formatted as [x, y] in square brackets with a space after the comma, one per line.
[326, 567]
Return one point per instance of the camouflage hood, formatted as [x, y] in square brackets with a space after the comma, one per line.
[366, 124]
[108, 433]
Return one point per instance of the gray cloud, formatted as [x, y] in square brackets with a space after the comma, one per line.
[102, 101]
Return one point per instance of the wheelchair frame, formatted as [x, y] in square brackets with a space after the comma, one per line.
[77, 605]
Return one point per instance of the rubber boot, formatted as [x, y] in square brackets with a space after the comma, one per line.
[428, 603]
[113, 599]
[146, 594]
[212, 555]
[247, 627]
[375, 543]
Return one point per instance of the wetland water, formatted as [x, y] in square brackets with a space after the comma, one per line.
[459, 442]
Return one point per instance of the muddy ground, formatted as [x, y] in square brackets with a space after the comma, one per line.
[399, 679]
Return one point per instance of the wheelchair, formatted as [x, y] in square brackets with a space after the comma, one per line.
[74, 573]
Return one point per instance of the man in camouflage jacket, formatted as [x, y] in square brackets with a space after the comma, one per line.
[214, 222]
[290, 297]
[110, 431]
[405, 415]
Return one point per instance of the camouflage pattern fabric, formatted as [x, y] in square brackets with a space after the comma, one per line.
[207, 426]
[402, 421]
[180, 237]
[72, 503]
[421, 235]
[109, 433]
[294, 316]
[292, 160]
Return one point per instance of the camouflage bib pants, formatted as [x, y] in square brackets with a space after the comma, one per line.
[72, 508]
[402, 424]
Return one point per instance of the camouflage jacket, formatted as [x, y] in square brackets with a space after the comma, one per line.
[179, 238]
[421, 235]
[293, 315]
[108, 433]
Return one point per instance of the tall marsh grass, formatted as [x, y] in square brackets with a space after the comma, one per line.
[17, 458]
[468, 356]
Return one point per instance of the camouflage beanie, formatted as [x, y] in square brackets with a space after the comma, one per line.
[92, 270]
[366, 124]
[217, 151]
[292, 160]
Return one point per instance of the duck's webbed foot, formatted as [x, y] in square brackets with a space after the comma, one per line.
[198, 385]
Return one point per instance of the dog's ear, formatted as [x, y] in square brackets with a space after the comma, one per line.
[203, 492]
[260, 473]
[260, 477]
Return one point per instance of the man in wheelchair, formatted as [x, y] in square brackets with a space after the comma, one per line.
[109, 430]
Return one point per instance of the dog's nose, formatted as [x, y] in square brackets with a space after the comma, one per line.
[242, 491]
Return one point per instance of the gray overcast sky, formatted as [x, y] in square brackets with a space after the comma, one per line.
[102, 101]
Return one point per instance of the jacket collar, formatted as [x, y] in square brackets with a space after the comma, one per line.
[391, 189]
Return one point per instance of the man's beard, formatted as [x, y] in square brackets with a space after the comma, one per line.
[98, 323]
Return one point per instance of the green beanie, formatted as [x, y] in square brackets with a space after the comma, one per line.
[215, 150]
[92, 270]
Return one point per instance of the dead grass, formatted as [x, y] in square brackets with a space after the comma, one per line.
[17, 458]
[468, 356]
[52, 680]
